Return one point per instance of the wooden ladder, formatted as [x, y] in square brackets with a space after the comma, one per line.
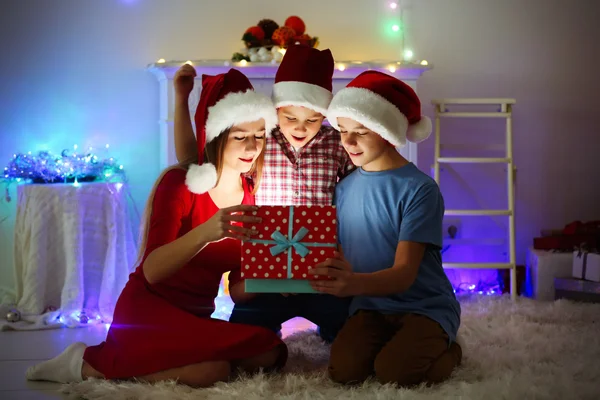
[504, 111]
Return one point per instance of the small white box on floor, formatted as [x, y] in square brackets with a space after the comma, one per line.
[586, 266]
[542, 267]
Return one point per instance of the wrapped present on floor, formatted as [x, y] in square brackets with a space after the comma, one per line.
[575, 234]
[291, 241]
[586, 265]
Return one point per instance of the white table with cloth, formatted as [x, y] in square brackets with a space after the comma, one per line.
[74, 251]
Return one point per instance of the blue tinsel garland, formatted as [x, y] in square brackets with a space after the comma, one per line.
[67, 168]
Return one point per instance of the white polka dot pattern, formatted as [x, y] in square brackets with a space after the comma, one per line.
[259, 263]
[316, 219]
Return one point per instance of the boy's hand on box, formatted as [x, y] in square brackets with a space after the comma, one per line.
[343, 282]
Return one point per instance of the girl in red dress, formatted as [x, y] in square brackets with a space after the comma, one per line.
[162, 328]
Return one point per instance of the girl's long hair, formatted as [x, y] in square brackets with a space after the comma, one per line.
[214, 150]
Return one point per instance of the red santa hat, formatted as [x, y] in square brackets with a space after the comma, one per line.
[383, 104]
[304, 79]
[226, 100]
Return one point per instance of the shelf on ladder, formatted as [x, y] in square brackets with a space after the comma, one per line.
[473, 160]
[490, 265]
[478, 212]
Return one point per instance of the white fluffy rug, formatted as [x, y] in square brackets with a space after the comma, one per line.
[521, 350]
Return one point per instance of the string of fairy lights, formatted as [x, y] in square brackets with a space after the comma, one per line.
[399, 28]
[71, 166]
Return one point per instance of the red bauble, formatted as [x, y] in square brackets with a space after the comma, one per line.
[296, 24]
[283, 36]
[257, 32]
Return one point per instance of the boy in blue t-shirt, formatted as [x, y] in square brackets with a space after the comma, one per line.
[404, 316]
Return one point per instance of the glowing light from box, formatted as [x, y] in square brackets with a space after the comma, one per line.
[223, 303]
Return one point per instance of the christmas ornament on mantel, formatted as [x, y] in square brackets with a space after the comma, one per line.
[267, 41]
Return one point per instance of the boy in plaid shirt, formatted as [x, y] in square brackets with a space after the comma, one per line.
[303, 158]
[303, 162]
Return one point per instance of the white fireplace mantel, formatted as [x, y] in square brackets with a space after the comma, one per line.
[262, 76]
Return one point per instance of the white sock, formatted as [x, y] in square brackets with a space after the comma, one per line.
[65, 368]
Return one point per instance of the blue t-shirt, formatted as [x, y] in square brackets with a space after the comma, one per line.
[376, 210]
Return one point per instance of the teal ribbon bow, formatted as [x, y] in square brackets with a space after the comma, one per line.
[282, 243]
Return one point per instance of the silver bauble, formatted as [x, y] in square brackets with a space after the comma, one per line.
[13, 316]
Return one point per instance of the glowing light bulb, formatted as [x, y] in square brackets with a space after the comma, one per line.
[393, 5]
[424, 62]
[395, 28]
[341, 67]
[408, 54]
[74, 147]
[392, 69]
[161, 61]
[107, 146]
[243, 63]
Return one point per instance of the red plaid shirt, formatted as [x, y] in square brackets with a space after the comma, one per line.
[304, 177]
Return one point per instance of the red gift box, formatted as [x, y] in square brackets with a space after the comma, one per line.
[291, 241]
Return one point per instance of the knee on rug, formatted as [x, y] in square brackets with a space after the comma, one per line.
[205, 374]
[411, 368]
[402, 369]
[271, 360]
[444, 366]
[349, 371]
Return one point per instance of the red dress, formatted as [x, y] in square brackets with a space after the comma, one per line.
[167, 325]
